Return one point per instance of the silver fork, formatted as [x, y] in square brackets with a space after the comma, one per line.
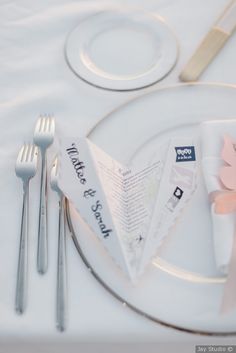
[43, 138]
[61, 292]
[25, 168]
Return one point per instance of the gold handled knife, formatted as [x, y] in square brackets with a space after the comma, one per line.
[211, 44]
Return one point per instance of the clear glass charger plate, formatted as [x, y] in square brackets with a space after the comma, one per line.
[120, 49]
[181, 288]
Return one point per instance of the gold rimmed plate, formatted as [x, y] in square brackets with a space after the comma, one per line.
[181, 287]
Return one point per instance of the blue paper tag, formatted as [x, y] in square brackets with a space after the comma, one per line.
[185, 154]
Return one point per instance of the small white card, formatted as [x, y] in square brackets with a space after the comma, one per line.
[178, 183]
[129, 209]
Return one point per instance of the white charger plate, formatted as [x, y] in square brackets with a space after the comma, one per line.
[181, 288]
[122, 50]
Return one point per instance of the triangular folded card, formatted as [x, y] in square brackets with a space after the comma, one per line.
[130, 209]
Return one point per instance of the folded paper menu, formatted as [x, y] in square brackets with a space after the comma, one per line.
[129, 208]
[213, 134]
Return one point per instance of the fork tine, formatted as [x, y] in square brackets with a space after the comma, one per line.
[41, 124]
[44, 124]
[47, 127]
[31, 153]
[20, 154]
[27, 155]
[49, 122]
[52, 124]
[24, 154]
[38, 124]
[31, 147]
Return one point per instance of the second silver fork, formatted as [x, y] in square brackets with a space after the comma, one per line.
[43, 138]
[25, 168]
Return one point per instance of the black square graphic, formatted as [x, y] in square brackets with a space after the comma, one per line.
[178, 193]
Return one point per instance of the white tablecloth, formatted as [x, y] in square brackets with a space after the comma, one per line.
[34, 78]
